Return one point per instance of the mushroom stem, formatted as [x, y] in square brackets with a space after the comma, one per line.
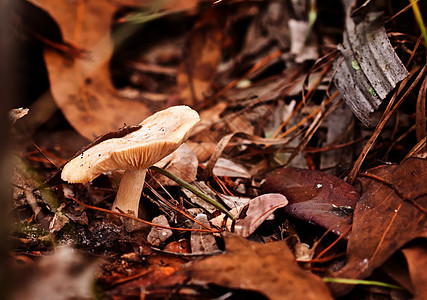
[129, 193]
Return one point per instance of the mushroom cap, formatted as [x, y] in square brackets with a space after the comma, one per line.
[159, 135]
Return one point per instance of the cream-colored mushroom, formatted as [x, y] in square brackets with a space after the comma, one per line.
[159, 135]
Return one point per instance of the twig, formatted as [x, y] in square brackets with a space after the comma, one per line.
[107, 211]
[193, 189]
[174, 207]
[215, 252]
[383, 121]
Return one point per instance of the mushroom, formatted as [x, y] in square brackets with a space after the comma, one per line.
[158, 136]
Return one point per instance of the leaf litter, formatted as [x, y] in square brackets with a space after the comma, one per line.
[276, 147]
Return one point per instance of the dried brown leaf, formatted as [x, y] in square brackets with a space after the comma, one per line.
[226, 167]
[314, 196]
[269, 269]
[82, 87]
[257, 211]
[390, 213]
[182, 163]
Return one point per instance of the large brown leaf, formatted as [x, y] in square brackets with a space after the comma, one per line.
[269, 269]
[314, 196]
[81, 86]
[386, 217]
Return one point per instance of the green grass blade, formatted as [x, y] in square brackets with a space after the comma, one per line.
[419, 19]
[362, 282]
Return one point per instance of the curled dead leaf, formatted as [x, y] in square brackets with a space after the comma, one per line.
[257, 211]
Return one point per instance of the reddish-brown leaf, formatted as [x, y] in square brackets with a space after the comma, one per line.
[181, 246]
[157, 270]
[385, 218]
[314, 196]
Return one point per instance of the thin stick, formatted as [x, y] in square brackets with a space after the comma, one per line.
[193, 189]
[45, 156]
[383, 121]
[107, 211]
[174, 207]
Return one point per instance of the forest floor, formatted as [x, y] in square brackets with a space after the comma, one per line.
[311, 145]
